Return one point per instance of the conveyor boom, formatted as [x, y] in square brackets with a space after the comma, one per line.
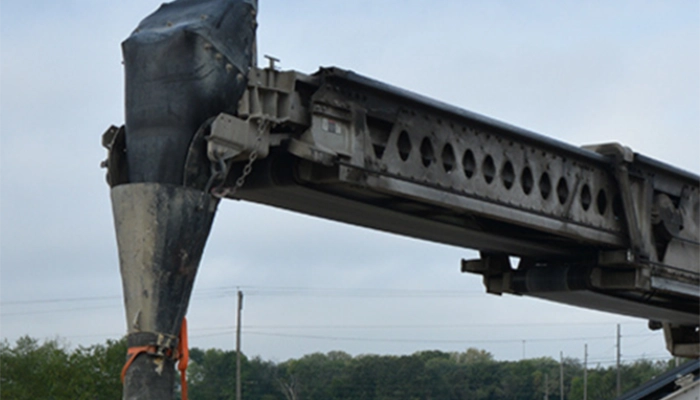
[599, 227]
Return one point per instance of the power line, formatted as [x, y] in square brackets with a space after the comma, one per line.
[34, 312]
[222, 331]
[256, 330]
[346, 292]
[58, 300]
[225, 291]
[231, 291]
[343, 338]
[411, 326]
[430, 326]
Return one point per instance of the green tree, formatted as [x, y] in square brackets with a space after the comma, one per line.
[50, 370]
[212, 374]
[97, 369]
[30, 370]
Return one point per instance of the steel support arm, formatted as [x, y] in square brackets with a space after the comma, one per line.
[617, 229]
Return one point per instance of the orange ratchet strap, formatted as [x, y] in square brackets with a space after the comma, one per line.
[182, 356]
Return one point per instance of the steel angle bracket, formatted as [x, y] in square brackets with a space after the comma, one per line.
[114, 140]
[635, 197]
[496, 271]
[233, 138]
[270, 96]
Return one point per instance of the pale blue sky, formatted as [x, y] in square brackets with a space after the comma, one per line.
[582, 73]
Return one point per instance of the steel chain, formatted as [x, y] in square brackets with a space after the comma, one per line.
[220, 191]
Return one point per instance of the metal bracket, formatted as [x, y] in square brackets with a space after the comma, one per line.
[682, 340]
[271, 93]
[496, 271]
[622, 157]
[114, 141]
[233, 139]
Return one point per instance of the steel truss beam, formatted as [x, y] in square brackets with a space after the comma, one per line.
[600, 227]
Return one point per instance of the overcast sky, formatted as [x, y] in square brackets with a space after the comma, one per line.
[581, 72]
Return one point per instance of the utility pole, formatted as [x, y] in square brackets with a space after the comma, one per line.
[238, 345]
[561, 375]
[546, 386]
[618, 360]
[523, 350]
[585, 372]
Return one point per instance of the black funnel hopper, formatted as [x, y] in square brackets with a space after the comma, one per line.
[185, 63]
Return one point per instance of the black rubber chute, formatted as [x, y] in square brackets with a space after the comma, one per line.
[184, 63]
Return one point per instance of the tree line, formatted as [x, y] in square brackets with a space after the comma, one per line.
[31, 369]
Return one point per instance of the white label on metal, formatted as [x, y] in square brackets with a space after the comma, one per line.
[331, 126]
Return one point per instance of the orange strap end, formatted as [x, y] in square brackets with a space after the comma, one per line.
[183, 358]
